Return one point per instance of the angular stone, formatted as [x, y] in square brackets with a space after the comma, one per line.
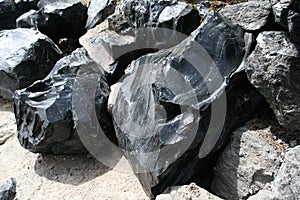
[287, 14]
[287, 182]
[26, 56]
[163, 109]
[8, 190]
[58, 19]
[252, 16]
[247, 164]
[10, 10]
[98, 11]
[273, 68]
[191, 191]
[28, 19]
[44, 114]
[170, 14]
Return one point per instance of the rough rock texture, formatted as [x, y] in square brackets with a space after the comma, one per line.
[98, 11]
[44, 115]
[286, 185]
[287, 14]
[160, 116]
[184, 192]
[247, 164]
[25, 56]
[262, 195]
[252, 15]
[273, 68]
[57, 19]
[10, 10]
[7, 125]
[8, 189]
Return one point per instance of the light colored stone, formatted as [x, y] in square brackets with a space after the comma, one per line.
[251, 15]
[247, 164]
[286, 184]
[187, 192]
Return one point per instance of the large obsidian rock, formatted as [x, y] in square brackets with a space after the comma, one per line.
[25, 56]
[126, 36]
[98, 11]
[11, 9]
[44, 112]
[171, 107]
[57, 19]
[273, 68]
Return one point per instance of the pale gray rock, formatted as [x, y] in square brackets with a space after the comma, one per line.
[273, 68]
[286, 185]
[98, 11]
[26, 55]
[191, 191]
[247, 164]
[262, 195]
[252, 15]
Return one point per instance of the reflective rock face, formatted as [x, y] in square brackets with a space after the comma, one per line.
[273, 68]
[45, 120]
[98, 11]
[25, 56]
[10, 10]
[8, 190]
[58, 19]
[169, 114]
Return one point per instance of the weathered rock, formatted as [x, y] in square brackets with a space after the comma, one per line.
[262, 195]
[10, 10]
[170, 14]
[252, 16]
[26, 56]
[184, 192]
[8, 190]
[247, 164]
[273, 68]
[163, 109]
[45, 119]
[287, 14]
[57, 19]
[286, 185]
[98, 11]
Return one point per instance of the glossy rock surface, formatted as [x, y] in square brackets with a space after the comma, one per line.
[25, 56]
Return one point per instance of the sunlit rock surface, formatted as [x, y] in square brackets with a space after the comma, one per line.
[45, 119]
[163, 109]
[98, 11]
[273, 68]
[58, 19]
[25, 56]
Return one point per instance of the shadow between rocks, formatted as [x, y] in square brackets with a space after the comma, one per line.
[69, 169]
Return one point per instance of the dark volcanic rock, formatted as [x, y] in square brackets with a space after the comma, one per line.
[57, 19]
[10, 10]
[26, 56]
[273, 68]
[163, 109]
[252, 16]
[45, 119]
[287, 14]
[170, 14]
[128, 35]
[8, 190]
[98, 11]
